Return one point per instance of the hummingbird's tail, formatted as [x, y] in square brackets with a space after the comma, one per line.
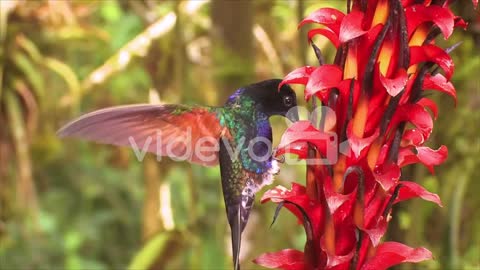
[237, 218]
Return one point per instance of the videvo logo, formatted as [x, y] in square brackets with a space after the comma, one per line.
[180, 146]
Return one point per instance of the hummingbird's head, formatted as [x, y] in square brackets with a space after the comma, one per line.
[274, 101]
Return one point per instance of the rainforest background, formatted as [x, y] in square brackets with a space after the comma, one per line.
[68, 204]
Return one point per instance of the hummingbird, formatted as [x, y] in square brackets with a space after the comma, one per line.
[238, 136]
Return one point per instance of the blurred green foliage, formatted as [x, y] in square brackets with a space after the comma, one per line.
[77, 205]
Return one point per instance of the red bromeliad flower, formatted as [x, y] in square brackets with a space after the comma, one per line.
[386, 58]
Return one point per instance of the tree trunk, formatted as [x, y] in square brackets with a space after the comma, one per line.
[232, 45]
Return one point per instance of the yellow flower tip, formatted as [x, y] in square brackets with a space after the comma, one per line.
[330, 236]
[381, 13]
[358, 215]
[351, 65]
[338, 171]
[373, 153]
[384, 58]
[412, 69]
[418, 36]
[360, 117]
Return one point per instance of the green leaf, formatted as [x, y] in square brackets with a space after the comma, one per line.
[154, 248]
[30, 47]
[27, 67]
[67, 74]
[110, 11]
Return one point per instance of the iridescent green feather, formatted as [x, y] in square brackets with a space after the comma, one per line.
[245, 122]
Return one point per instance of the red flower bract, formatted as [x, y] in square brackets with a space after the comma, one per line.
[385, 59]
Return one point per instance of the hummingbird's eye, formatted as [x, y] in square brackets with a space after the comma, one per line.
[288, 101]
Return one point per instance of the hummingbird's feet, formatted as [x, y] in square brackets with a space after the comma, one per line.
[275, 167]
[267, 177]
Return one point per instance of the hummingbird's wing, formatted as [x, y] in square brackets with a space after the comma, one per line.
[181, 132]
